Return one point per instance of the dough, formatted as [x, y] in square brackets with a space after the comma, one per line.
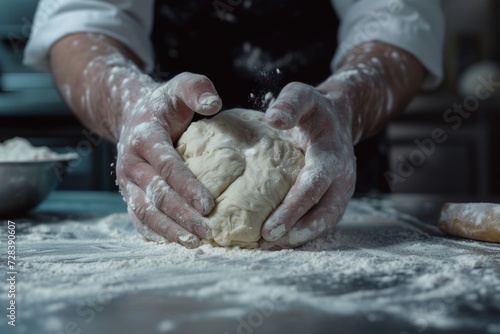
[480, 221]
[247, 166]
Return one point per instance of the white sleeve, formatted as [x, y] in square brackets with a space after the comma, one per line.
[128, 21]
[416, 26]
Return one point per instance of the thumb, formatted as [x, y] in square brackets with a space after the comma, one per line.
[294, 100]
[197, 92]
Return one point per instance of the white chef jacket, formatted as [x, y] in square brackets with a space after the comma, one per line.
[416, 26]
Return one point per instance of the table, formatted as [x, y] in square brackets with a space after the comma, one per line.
[83, 269]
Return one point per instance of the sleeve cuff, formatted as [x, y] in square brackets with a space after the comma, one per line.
[111, 22]
[417, 28]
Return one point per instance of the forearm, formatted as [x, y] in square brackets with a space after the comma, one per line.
[375, 83]
[97, 77]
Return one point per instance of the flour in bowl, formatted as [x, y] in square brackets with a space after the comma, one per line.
[20, 150]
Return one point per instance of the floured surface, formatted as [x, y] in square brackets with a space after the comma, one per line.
[380, 264]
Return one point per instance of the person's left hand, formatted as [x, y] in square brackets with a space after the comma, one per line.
[316, 202]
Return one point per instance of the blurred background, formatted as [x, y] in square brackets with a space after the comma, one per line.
[467, 162]
[31, 107]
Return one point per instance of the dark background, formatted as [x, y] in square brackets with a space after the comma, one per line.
[467, 162]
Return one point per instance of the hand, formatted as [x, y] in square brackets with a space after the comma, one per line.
[165, 200]
[318, 199]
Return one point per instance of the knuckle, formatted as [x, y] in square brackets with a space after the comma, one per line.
[170, 232]
[136, 143]
[296, 86]
[190, 186]
[188, 78]
[147, 232]
[167, 166]
[157, 194]
[126, 170]
[183, 76]
[194, 78]
[140, 211]
[159, 97]
[187, 81]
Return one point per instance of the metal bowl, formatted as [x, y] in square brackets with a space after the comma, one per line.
[24, 185]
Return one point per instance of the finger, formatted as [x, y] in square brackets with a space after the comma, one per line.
[144, 229]
[310, 186]
[294, 101]
[298, 235]
[155, 147]
[197, 92]
[144, 212]
[165, 199]
[318, 221]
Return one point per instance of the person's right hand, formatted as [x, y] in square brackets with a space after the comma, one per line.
[165, 200]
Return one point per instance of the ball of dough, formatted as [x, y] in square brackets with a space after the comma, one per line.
[247, 166]
[480, 221]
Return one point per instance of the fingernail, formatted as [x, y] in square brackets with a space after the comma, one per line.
[203, 206]
[198, 207]
[189, 241]
[209, 99]
[277, 232]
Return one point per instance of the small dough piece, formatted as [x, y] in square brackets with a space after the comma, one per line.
[247, 166]
[480, 221]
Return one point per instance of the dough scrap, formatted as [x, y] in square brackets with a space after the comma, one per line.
[480, 221]
[247, 166]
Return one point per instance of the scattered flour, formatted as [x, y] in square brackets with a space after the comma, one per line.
[379, 261]
[20, 150]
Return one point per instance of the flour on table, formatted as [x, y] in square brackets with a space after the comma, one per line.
[247, 166]
[378, 263]
[20, 150]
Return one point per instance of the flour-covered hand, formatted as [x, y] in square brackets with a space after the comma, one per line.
[165, 200]
[108, 89]
[320, 195]
[375, 82]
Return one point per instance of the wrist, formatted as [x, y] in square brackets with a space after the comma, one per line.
[376, 81]
[129, 103]
[346, 95]
[91, 81]
[124, 89]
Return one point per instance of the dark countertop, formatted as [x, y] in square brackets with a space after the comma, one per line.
[166, 297]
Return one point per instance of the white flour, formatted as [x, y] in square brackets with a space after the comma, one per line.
[378, 262]
[20, 150]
